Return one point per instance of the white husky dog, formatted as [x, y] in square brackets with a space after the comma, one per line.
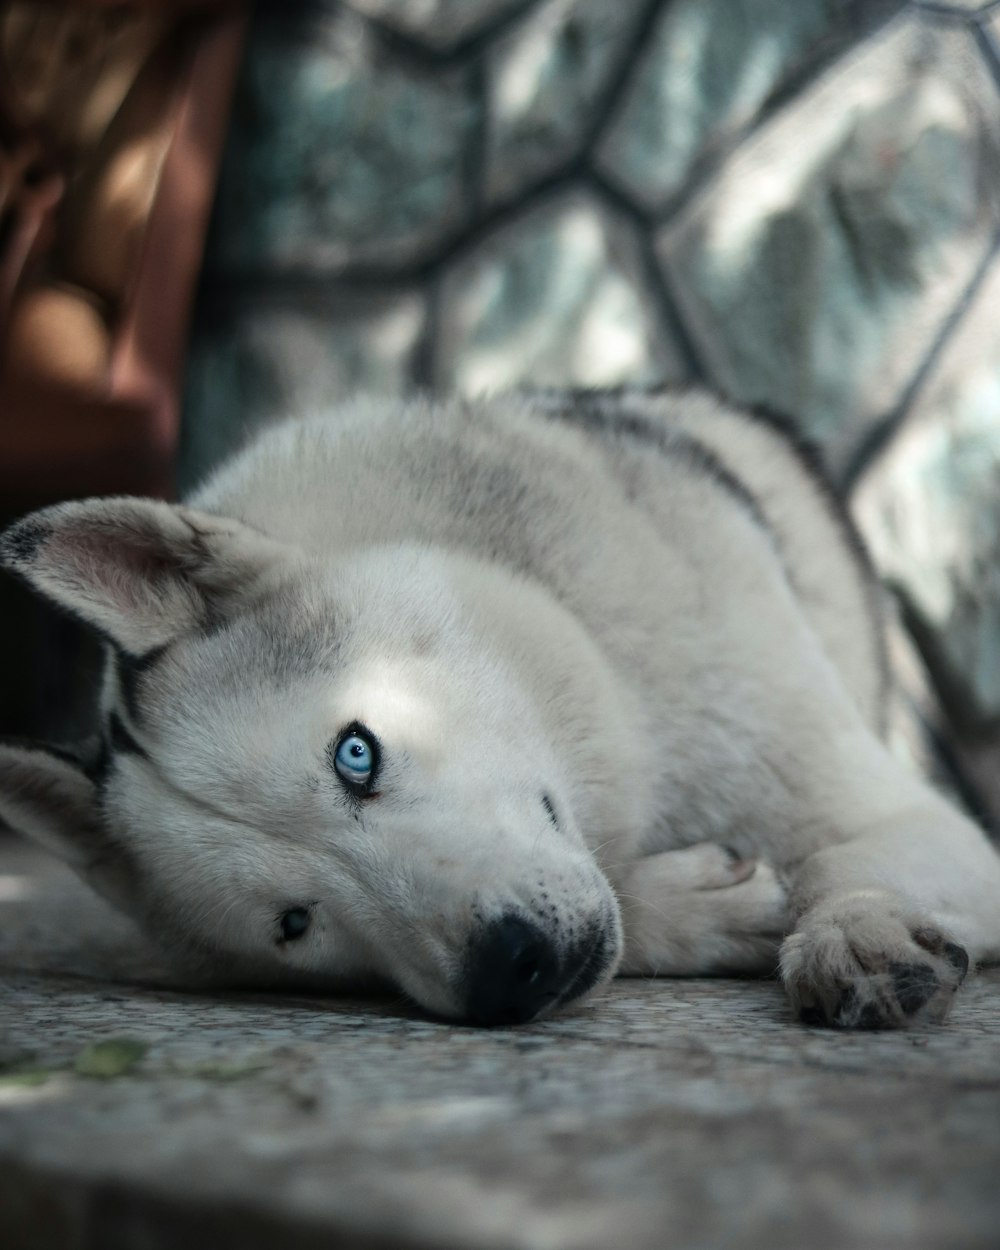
[492, 700]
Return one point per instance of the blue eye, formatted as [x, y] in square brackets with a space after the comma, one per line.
[294, 923]
[354, 758]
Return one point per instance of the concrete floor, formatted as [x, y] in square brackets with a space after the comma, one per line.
[692, 1114]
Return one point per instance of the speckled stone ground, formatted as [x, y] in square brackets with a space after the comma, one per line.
[689, 1114]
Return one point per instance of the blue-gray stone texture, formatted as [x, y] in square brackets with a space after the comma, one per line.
[795, 204]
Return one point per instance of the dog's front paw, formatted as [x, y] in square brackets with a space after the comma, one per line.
[700, 911]
[860, 961]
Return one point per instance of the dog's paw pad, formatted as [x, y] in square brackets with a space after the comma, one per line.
[855, 1011]
[934, 942]
[958, 957]
[861, 964]
[914, 985]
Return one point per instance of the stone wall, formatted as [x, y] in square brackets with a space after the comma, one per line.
[796, 203]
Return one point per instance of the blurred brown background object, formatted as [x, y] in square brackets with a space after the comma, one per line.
[112, 119]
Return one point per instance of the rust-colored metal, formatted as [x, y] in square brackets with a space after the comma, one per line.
[112, 120]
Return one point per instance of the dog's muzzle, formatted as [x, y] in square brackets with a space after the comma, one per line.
[514, 971]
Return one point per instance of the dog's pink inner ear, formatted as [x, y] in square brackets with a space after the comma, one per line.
[139, 571]
[132, 581]
[120, 565]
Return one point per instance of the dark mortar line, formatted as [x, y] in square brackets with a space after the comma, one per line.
[666, 305]
[876, 440]
[424, 56]
[224, 290]
[801, 78]
[949, 760]
[608, 188]
[952, 13]
[227, 293]
[955, 695]
[867, 17]
[697, 177]
[478, 142]
[408, 51]
[607, 103]
[467, 236]
[483, 221]
[474, 52]
[465, 240]
[424, 368]
[368, 277]
[989, 46]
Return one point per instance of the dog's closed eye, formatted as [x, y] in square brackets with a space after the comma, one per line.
[293, 923]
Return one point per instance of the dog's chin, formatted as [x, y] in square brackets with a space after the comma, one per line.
[232, 973]
[595, 972]
[445, 1008]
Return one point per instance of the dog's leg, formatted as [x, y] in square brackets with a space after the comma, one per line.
[893, 893]
[889, 917]
[700, 910]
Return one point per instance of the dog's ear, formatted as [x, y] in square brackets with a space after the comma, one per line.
[50, 799]
[139, 571]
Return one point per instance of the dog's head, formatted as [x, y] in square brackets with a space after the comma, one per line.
[314, 773]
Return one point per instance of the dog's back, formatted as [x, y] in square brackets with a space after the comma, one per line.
[542, 482]
[760, 456]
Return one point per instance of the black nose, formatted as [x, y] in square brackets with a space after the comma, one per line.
[512, 972]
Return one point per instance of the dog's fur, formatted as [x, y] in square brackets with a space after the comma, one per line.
[623, 657]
